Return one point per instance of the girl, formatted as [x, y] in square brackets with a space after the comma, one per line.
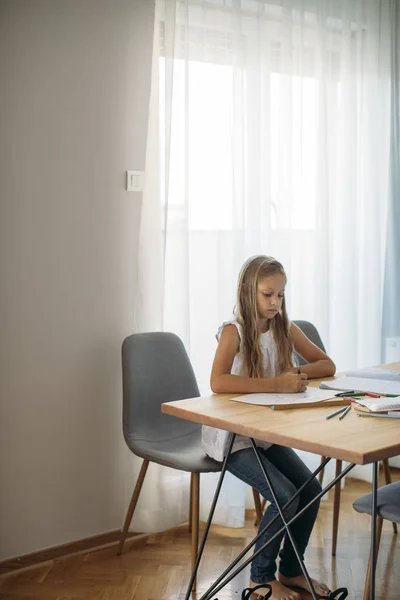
[255, 354]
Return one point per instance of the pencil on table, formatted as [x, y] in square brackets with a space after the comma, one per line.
[336, 412]
[381, 415]
[345, 412]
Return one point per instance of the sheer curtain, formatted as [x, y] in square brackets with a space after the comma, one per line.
[391, 312]
[270, 132]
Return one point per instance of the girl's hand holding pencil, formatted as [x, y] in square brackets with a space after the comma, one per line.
[288, 383]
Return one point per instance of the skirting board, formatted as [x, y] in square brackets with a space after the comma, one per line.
[90, 544]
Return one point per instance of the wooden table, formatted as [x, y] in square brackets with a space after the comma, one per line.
[353, 439]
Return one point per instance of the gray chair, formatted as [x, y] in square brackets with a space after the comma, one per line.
[156, 369]
[388, 507]
[312, 333]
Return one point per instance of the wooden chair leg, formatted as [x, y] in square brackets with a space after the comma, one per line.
[321, 473]
[257, 506]
[388, 479]
[379, 523]
[190, 505]
[132, 505]
[336, 507]
[194, 501]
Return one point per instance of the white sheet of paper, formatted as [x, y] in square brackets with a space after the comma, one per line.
[361, 384]
[310, 395]
[375, 373]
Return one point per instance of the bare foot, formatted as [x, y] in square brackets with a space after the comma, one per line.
[300, 581]
[279, 591]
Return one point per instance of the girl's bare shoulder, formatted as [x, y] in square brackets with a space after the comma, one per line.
[229, 336]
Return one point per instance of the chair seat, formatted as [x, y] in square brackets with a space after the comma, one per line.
[388, 502]
[182, 453]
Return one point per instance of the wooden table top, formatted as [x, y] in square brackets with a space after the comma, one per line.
[354, 439]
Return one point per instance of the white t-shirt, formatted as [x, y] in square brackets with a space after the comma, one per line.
[215, 441]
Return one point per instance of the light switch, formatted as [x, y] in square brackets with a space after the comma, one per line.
[392, 349]
[134, 181]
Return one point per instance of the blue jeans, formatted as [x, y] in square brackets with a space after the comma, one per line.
[287, 473]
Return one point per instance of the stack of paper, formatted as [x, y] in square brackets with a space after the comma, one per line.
[375, 373]
[378, 404]
[363, 384]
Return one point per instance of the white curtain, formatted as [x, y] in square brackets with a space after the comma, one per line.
[391, 312]
[269, 133]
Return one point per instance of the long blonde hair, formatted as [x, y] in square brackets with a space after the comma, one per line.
[254, 269]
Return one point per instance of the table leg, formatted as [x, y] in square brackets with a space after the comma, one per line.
[373, 528]
[211, 589]
[210, 516]
[217, 586]
[336, 507]
[283, 518]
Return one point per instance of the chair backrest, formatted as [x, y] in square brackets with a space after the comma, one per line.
[312, 333]
[388, 502]
[155, 369]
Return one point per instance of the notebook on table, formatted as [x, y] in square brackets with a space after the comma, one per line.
[363, 384]
[378, 405]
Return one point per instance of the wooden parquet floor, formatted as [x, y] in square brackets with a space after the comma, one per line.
[160, 569]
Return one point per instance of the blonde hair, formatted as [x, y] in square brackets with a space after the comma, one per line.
[254, 269]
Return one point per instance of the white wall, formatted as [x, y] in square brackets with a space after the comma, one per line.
[75, 82]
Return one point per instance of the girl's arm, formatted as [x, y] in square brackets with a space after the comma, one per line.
[320, 365]
[223, 382]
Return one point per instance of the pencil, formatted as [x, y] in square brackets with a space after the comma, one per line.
[345, 412]
[336, 412]
[381, 416]
[349, 393]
